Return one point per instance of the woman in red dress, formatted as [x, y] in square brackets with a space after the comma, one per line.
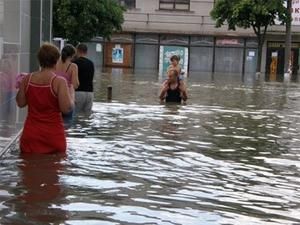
[47, 97]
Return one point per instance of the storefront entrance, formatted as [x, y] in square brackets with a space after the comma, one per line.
[275, 60]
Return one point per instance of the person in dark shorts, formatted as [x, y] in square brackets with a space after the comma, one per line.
[172, 89]
[84, 94]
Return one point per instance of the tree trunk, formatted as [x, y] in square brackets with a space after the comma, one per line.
[288, 38]
[259, 54]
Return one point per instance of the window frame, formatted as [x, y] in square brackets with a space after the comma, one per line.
[126, 6]
[174, 3]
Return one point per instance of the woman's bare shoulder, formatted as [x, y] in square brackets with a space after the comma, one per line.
[59, 83]
[59, 80]
[74, 66]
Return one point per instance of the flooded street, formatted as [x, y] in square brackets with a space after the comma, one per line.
[231, 155]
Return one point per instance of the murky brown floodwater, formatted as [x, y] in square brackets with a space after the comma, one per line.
[230, 156]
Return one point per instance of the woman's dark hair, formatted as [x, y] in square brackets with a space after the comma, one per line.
[48, 55]
[67, 52]
[82, 48]
[175, 57]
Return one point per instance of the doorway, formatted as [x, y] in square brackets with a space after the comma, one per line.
[275, 62]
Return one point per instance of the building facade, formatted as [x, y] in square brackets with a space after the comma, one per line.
[154, 29]
[24, 25]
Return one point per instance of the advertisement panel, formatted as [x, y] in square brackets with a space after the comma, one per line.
[118, 54]
[166, 52]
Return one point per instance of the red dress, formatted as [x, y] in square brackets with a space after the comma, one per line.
[43, 130]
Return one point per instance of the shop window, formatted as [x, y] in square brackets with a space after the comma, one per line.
[201, 59]
[252, 43]
[122, 38]
[202, 41]
[174, 40]
[151, 61]
[147, 38]
[174, 4]
[129, 4]
[230, 42]
[229, 60]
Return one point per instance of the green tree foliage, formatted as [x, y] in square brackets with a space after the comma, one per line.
[81, 20]
[255, 14]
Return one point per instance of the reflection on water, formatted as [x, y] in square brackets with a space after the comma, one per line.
[230, 156]
[36, 189]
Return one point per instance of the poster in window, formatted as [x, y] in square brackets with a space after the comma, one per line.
[98, 48]
[166, 52]
[118, 55]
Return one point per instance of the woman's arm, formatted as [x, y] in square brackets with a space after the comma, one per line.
[183, 91]
[164, 90]
[65, 101]
[184, 95]
[74, 74]
[21, 95]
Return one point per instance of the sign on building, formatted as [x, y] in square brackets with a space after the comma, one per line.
[117, 54]
[296, 12]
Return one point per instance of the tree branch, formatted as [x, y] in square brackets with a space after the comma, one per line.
[254, 28]
[264, 33]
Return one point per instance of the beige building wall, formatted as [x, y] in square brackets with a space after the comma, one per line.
[147, 17]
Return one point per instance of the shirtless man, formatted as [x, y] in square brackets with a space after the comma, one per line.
[172, 89]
